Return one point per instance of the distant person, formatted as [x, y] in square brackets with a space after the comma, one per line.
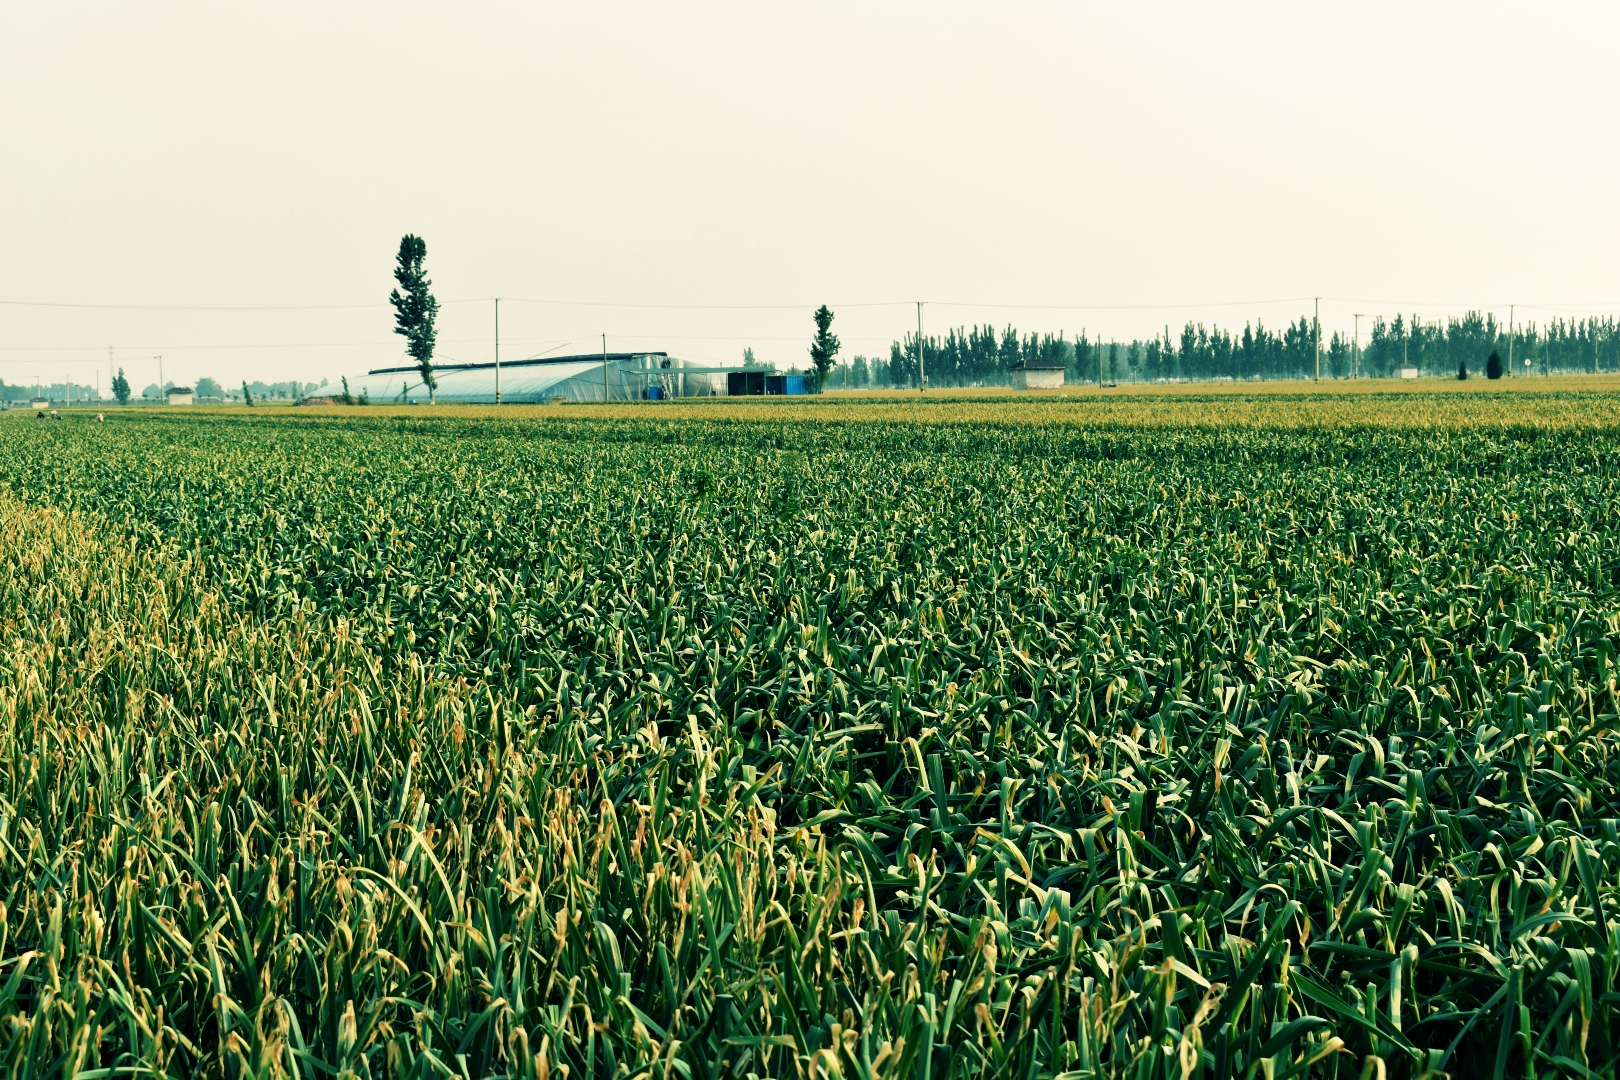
[98, 418]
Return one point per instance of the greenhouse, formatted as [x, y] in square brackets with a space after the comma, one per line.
[589, 377]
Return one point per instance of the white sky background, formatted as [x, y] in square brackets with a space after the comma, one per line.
[1409, 156]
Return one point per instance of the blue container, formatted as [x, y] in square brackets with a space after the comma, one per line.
[655, 393]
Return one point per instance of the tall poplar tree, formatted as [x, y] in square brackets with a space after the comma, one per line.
[825, 346]
[415, 309]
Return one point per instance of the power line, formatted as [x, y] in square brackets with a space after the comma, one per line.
[196, 307]
[1121, 307]
[741, 337]
[447, 341]
[271, 345]
[700, 307]
[1474, 305]
[282, 345]
[797, 307]
[442, 303]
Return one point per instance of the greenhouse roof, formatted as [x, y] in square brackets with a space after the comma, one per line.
[533, 361]
[536, 380]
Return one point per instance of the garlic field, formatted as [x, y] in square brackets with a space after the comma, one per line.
[843, 741]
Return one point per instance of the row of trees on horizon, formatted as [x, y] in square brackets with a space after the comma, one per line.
[983, 356]
[205, 389]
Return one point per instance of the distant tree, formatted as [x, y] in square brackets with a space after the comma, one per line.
[247, 395]
[824, 349]
[347, 398]
[207, 387]
[748, 357]
[1462, 371]
[858, 374]
[415, 310]
[120, 388]
[1493, 367]
[1337, 356]
[152, 391]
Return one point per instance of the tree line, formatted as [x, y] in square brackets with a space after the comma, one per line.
[984, 356]
[1435, 347]
[206, 389]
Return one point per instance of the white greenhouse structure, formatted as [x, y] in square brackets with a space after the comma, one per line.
[589, 377]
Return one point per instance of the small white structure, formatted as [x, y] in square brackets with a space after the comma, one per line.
[1407, 372]
[40, 403]
[178, 395]
[1038, 375]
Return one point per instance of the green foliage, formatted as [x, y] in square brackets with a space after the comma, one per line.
[977, 355]
[207, 387]
[120, 388]
[415, 310]
[860, 374]
[378, 745]
[824, 349]
[1493, 367]
[247, 395]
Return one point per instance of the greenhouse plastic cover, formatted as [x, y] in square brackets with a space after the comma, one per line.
[522, 382]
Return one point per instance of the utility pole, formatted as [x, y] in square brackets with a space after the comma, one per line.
[163, 394]
[1316, 337]
[922, 371]
[110, 375]
[604, 370]
[497, 350]
[1510, 339]
[1357, 350]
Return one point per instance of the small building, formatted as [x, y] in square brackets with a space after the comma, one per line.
[752, 382]
[745, 383]
[1407, 372]
[40, 403]
[178, 395]
[786, 384]
[1037, 375]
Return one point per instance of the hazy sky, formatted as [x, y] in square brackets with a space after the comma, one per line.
[1098, 158]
